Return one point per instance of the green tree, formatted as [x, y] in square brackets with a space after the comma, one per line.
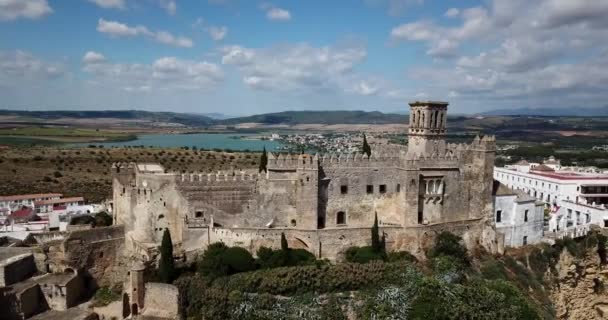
[366, 148]
[166, 267]
[264, 161]
[211, 263]
[376, 243]
[103, 219]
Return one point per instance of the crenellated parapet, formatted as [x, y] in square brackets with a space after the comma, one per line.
[483, 143]
[225, 178]
[449, 158]
[347, 160]
[283, 161]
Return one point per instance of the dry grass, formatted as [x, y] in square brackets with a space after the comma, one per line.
[86, 171]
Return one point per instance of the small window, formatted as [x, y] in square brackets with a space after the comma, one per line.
[398, 189]
[344, 189]
[526, 216]
[293, 222]
[499, 216]
[370, 189]
[525, 242]
[420, 217]
[382, 188]
[198, 214]
[341, 217]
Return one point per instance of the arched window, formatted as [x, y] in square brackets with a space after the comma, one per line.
[441, 119]
[340, 217]
[422, 123]
[436, 119]
[418, 119]
[432, 119]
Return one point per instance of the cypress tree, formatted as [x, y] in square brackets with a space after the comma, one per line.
[376, 244]
[366, 148]
[166, 267]
[263, 160]
[284, 245]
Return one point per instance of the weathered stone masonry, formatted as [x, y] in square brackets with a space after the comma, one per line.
[322, 203]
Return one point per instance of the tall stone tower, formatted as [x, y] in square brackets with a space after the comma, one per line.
[427, 127]
[138, 287]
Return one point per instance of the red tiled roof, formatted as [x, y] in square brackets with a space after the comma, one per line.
[59, 201]
[29, 196]
[22, 213]
[569, 176]
[543, 168]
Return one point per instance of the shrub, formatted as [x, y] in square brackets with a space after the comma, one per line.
[57, 174]
[106, 295]
[362, 254]
[237, 260]
[400, 256]
[312, 278]
[103, 219]
[211, 264]
[448, 244]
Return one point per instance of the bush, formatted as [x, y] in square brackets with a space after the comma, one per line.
[448, 244]
[57, 174]
[268, 258]
[237, 260]
[211, 264]
[103, 219]
[362, 254]
[106, 295]
[312, 278]
[400, 256]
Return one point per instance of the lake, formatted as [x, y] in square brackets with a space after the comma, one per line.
[232, 141]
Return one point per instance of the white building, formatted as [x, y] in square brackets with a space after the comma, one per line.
[56, 205]
[518, 216]
[17, 201]
[575, 199]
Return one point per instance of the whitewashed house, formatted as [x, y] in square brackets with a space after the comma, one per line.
[518, 216]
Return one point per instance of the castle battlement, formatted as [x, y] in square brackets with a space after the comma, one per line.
[215, 178]
[345, 160]
[292, 161]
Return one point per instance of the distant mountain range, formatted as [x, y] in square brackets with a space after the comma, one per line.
[552, 112]
[321, 117]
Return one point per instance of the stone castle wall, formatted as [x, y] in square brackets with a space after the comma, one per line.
[313, 197]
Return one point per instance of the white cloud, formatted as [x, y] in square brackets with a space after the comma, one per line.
[30, 9]
[301, 68]
[394, 7]
[117, 29]
[92, 57]
[169, 5]
[452, 12]
[217, 33]
[278, 14]
[519, 53]
[365, 88]
[110, 4]
[169, 39]
[16, 66]
[166, 73]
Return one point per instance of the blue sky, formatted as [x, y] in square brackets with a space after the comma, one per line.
[244, 56]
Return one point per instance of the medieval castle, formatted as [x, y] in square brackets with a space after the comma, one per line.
[324, 204]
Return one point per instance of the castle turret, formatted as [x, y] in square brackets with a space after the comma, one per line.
[137, 286]
[427, 127]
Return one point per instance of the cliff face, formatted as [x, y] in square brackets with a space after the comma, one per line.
[580, 289]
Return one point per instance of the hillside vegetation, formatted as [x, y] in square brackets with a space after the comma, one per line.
[86, 171]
